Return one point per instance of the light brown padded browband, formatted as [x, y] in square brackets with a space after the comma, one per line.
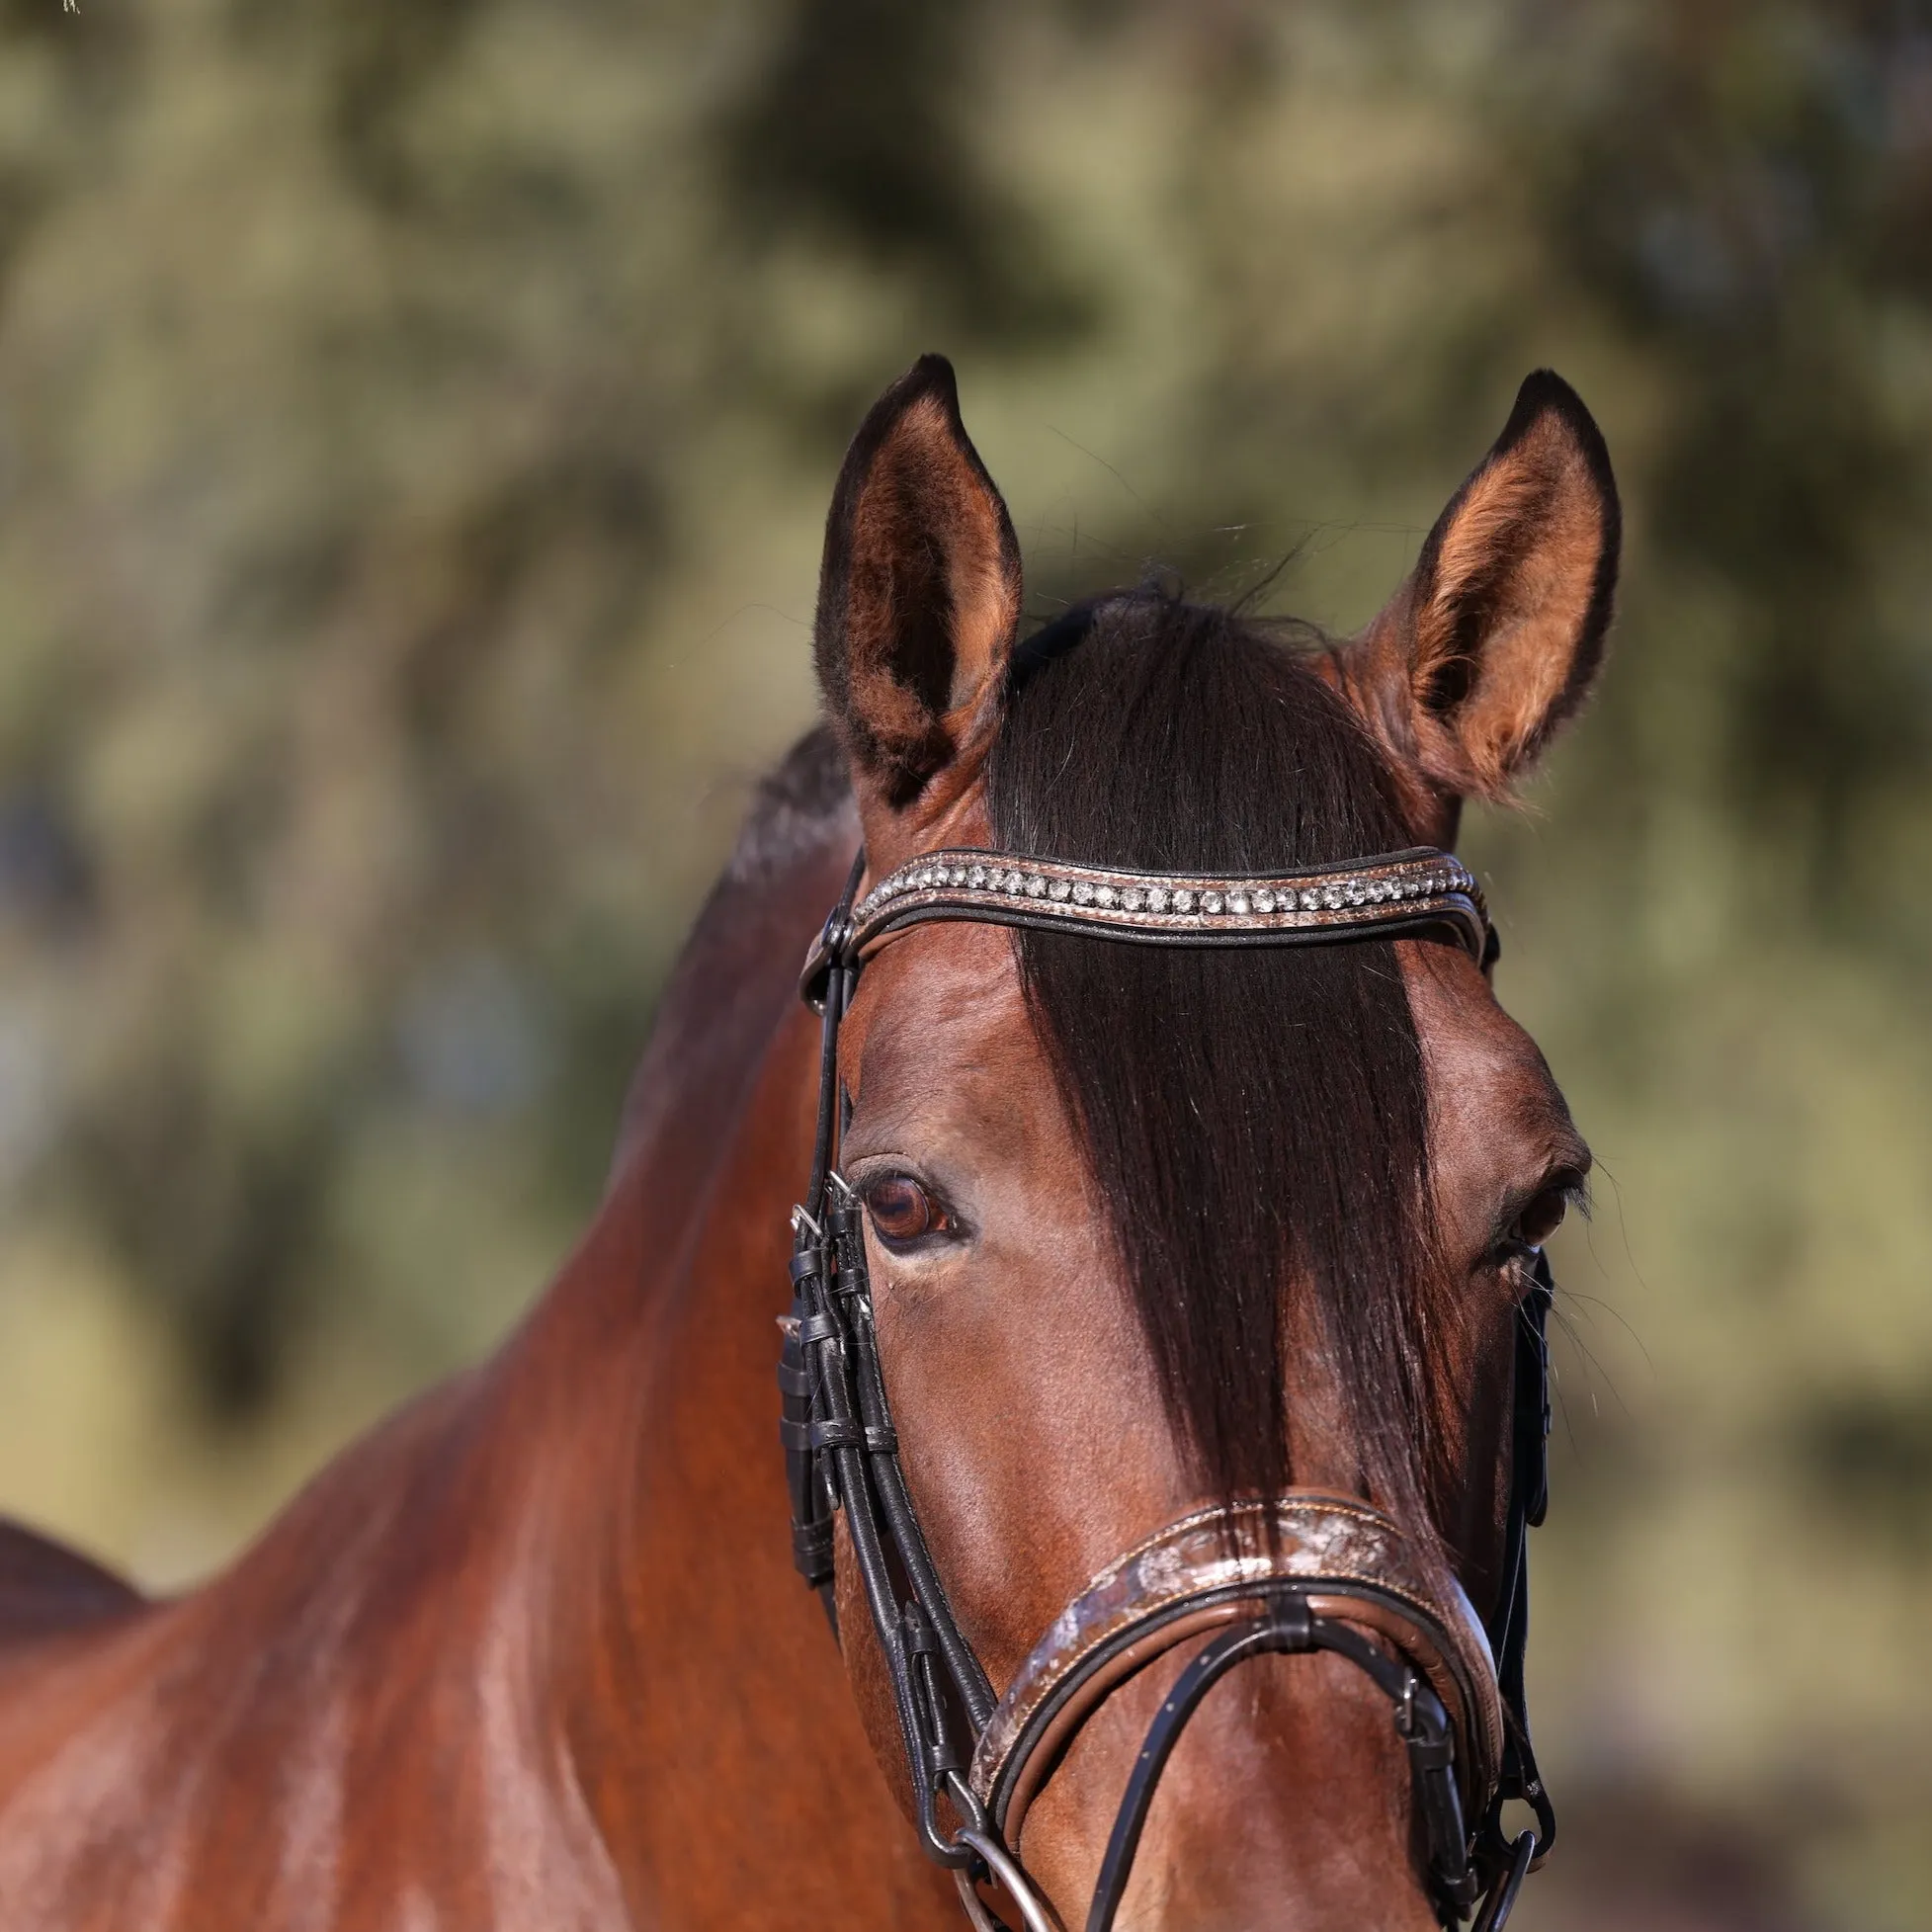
[1190, 1577]
[1402, 892]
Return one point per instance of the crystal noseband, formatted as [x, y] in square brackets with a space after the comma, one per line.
[1421, 890]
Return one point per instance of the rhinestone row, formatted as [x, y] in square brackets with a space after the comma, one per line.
[1235, 901]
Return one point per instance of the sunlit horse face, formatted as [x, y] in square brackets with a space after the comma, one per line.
[1059, 1395]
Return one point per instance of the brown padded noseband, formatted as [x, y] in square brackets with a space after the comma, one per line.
[1212, 1568]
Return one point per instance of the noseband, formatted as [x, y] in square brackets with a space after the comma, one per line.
[1306, 1571]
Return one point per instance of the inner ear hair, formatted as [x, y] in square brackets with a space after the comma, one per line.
[919, 595]
[1503, 622]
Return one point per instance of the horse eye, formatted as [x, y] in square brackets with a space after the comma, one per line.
[903, 1211]
[1543, 1216]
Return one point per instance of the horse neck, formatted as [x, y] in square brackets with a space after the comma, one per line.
[691, 1240]
[552, 1601]
[687, 1658]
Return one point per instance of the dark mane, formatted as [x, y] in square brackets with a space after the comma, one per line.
[800, 804]
[1257, 1117]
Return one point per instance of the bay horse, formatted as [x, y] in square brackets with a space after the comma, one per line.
[1213, 1254]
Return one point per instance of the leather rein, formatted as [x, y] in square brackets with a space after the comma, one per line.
[1305, 1572]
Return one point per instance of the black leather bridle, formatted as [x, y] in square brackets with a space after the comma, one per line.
[1328, 1574]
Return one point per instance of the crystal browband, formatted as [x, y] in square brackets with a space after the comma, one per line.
[1396, 893]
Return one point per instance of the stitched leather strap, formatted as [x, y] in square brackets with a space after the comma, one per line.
[1421, 890]
[1211, 1568]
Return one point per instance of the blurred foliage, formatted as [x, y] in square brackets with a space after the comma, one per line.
[415, 426]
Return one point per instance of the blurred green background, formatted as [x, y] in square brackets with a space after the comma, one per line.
[416, 423]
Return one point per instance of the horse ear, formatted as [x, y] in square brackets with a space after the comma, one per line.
[918, 607]
[1494, 641]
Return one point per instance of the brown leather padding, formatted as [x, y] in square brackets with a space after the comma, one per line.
[1320, 1538]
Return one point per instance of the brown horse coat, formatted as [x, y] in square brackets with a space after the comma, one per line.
[531, 1654]
[493, 1666]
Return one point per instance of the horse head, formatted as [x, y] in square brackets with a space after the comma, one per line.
[1176, 1256]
